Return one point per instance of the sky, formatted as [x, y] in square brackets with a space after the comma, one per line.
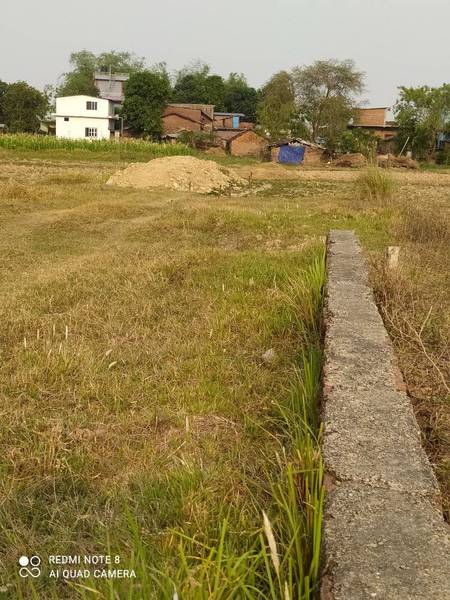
[395, 42]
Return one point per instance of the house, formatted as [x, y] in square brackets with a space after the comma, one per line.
[244, 142]
[375, 121]
[86, 117]
[47, 125]
[187, 117]
[297, 151]
[227, 120]
[111, 86]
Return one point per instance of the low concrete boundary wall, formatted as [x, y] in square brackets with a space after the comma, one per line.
[384, 535]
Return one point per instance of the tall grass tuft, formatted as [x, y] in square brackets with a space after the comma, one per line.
[375, 184]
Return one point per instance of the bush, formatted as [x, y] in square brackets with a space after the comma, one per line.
[358, 141]
[375, 184]
[200, 140]
[443, 157]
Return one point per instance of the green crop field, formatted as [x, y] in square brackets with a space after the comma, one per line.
[160, 358]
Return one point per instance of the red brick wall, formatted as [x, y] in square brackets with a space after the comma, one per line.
[371, 116]
[175, 123]
[248, 144]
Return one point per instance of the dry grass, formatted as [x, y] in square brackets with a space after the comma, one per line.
[414, 302]
[133, 325]
[375, 184]
[423, 226]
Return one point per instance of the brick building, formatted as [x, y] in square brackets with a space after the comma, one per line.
[187, 117]
[375, 121]
[244, 142]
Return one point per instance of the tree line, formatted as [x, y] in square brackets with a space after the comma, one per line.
[315, 102]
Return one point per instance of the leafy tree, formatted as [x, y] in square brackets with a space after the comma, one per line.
[276, 110]
[421, 113]
[80, 80]
[3, 89]
[146, 95]
[240, 97]
[359, 140]
[195, 84]
[22, 107]
[325, 94]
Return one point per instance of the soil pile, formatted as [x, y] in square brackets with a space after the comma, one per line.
[351, 160]
[181, 173]
[399, 162]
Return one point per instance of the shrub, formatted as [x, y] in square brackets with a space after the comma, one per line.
[375, 184]
[443, 157]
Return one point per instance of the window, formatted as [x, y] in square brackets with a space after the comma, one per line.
[66, 118]
[91, 105]
[90, 132]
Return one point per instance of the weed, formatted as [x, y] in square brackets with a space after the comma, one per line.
[375, 184]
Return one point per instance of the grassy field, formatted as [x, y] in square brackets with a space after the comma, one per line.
[141, 415]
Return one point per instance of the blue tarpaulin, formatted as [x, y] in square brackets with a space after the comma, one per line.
[291, 155]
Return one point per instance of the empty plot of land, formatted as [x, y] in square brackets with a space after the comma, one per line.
[133, 387]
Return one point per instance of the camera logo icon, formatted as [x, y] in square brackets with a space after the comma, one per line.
[29, 567]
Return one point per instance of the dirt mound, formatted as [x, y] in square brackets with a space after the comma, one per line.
[398, 162]
[215, 151]
[351, 160]
[181, 173]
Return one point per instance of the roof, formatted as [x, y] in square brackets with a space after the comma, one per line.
[228, 114]
[297, 141]
[207, 109]
[93, 98]
[373, 108]
[232, 134]
[100, 75]
[388, 125]
[167, 113]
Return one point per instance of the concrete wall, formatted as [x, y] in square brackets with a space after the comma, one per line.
[384, 536]
[72, 117]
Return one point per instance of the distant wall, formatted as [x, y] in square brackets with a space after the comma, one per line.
[248, 144]
[371, 116]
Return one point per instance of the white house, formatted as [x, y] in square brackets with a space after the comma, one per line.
[80, 117]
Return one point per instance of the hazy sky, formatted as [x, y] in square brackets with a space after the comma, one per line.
[396, 42]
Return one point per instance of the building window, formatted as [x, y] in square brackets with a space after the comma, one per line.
[91, 105]
[66, 118]
[90, 132]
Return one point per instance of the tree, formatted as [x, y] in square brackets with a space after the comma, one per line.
[421, 113]
[22, 107]
[80, 80]
[146, 95]
[240, 97]
[325, 99]
[276, 109]
[3, 89]
[194, 84]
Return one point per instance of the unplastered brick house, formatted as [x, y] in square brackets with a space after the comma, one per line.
[85, 117]
[187, 117]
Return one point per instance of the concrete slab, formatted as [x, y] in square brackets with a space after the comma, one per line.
[385, 544]
[382, 482]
